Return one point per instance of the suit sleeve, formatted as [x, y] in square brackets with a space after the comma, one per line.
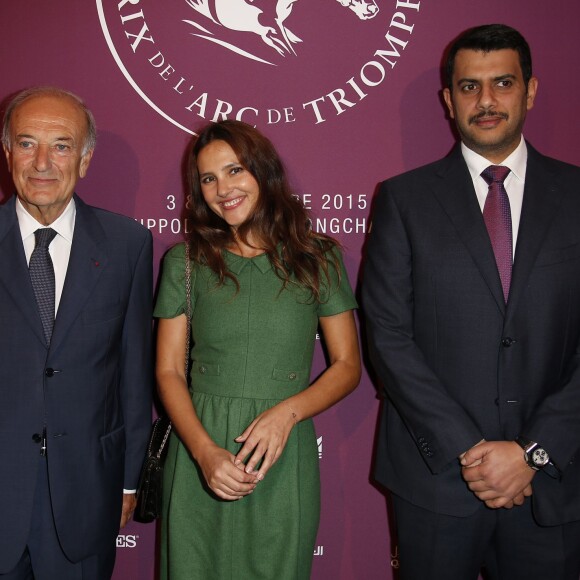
[556, 422]
[440, 427]
[555, 419]
[137, 364]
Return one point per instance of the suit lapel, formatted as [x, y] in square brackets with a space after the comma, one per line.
[454, 190]
[14, 276]
[88, 258]
[542, 200]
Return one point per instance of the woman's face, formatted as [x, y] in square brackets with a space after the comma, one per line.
[228, 188]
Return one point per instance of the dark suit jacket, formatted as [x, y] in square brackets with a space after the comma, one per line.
[458, 365]
[92, 387]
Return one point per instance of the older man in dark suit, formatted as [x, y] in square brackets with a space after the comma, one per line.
[472, 295]
[75, 356]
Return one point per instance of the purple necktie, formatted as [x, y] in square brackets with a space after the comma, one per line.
[42, 277]
[498, 220]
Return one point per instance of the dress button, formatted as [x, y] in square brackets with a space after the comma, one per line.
[202, 369]
[507, 342]
[49, 372]
[292, 376]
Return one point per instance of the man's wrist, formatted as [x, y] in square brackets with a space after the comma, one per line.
[537, 457]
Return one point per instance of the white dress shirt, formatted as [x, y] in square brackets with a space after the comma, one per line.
[514, 182]
[59, 248]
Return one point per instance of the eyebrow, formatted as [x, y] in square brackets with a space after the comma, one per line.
[498, 78]
[227, 166]
[27, 136]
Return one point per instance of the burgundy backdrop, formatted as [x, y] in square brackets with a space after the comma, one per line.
[349, 95]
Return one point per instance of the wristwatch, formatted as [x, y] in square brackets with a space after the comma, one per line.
[535, 456]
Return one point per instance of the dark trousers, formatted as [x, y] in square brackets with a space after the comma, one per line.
[507, 544]
[43, 558]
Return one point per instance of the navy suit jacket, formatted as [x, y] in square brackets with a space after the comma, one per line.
[92, 388]
[458, 365]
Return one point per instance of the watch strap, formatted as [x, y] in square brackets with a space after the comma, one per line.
[528, 446]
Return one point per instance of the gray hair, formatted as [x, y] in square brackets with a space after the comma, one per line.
[47, 91]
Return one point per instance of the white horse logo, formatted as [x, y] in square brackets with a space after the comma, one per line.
[265, 18]
[364, 10]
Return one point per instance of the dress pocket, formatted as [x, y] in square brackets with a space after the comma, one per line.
[290, 376]
[203, 368]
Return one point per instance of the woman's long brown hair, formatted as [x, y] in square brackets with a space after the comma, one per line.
[279, 221]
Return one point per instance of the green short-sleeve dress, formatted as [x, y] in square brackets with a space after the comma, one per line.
[249, 351]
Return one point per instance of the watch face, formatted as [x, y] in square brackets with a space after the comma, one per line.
[540, 457]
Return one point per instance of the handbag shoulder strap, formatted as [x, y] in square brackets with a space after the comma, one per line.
[164, 422]
[187, 308]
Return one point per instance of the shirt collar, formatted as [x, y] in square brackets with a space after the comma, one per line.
[64, 225]
[237, 263]
[516, 161]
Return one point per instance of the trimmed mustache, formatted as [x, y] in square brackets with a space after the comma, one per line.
[484, 114]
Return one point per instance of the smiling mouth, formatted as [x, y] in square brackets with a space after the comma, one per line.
[232, 203]
[40, 182]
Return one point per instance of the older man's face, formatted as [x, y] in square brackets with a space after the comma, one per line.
[47, 136]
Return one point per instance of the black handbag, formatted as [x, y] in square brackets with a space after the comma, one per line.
[151, 480]
[149, 492]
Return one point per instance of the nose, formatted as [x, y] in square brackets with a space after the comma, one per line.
[223, 187]
[42, 161]
[487, 98]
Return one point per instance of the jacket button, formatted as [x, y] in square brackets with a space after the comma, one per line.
[37, 438]
[292, 376]
[49, 372]
[507, 342]
[202, 369]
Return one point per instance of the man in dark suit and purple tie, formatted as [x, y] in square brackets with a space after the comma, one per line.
[75, 351]
[472, 296]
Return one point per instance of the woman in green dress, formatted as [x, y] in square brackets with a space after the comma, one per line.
[241, 484]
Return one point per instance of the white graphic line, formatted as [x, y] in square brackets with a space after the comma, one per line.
[233, 48]
[128, 76]
[198, 26]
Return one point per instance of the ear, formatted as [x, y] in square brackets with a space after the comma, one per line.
[85, 162]
[532, 90]
[8, 154]
[449, 102]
